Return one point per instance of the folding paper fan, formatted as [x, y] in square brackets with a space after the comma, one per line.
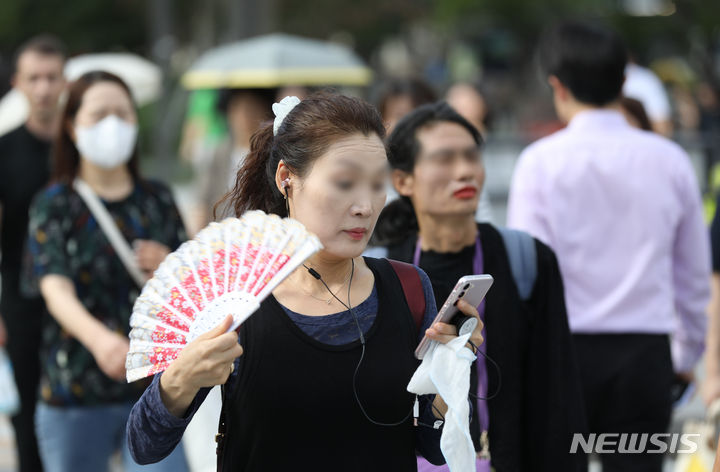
[229, 268]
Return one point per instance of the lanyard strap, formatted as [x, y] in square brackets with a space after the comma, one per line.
[482, 407]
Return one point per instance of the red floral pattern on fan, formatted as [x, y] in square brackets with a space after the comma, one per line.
[206, 277]
[163, 355]
[276, 266]
[229, 268]
[167, 317]
[166, 336]
[161, 358]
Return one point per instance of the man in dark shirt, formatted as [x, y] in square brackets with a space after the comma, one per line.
[24, 169]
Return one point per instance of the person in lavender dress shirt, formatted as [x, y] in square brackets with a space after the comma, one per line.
[621, 209]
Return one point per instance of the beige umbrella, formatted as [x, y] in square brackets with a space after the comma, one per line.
[277, 60]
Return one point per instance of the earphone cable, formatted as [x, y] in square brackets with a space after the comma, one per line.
[499, 374]
[362, 352]
[362, 356]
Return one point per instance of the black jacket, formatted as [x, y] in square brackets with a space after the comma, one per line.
[539, 406]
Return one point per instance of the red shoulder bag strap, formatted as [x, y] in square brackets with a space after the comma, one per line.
[412, 288]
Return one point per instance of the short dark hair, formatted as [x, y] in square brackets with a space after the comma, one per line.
[403, 145]
[45, 44]
[398, 220]
[588, 59]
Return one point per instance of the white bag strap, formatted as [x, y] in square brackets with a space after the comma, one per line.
[118, 242]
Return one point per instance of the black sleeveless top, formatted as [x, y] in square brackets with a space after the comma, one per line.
[293, 406]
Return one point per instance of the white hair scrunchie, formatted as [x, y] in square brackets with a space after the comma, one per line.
[281, 110]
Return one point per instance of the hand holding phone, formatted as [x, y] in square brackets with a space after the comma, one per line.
[472, 289]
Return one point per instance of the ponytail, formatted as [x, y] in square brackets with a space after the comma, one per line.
[396, 223]
[255, 183]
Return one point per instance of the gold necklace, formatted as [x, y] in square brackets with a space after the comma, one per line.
[332, 294]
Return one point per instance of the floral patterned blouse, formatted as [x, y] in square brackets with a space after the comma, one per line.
[65, 239]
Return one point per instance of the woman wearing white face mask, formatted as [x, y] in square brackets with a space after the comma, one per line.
[89, 292]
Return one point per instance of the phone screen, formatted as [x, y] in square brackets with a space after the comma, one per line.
[472, 289]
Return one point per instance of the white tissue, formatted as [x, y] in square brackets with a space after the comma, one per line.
[445, 370]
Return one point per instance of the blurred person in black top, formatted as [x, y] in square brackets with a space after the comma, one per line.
[24, 169]
[533, 385]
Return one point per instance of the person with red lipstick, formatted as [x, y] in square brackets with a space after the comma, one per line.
[533, 404]
[320, 382]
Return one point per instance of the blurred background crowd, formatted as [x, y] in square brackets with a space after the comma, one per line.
[487, 45]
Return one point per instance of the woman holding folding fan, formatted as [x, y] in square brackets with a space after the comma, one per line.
[318, 378]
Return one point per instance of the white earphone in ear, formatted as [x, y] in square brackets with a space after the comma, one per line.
[285, 183]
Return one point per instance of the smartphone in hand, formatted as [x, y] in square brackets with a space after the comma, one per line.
[472, 289]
